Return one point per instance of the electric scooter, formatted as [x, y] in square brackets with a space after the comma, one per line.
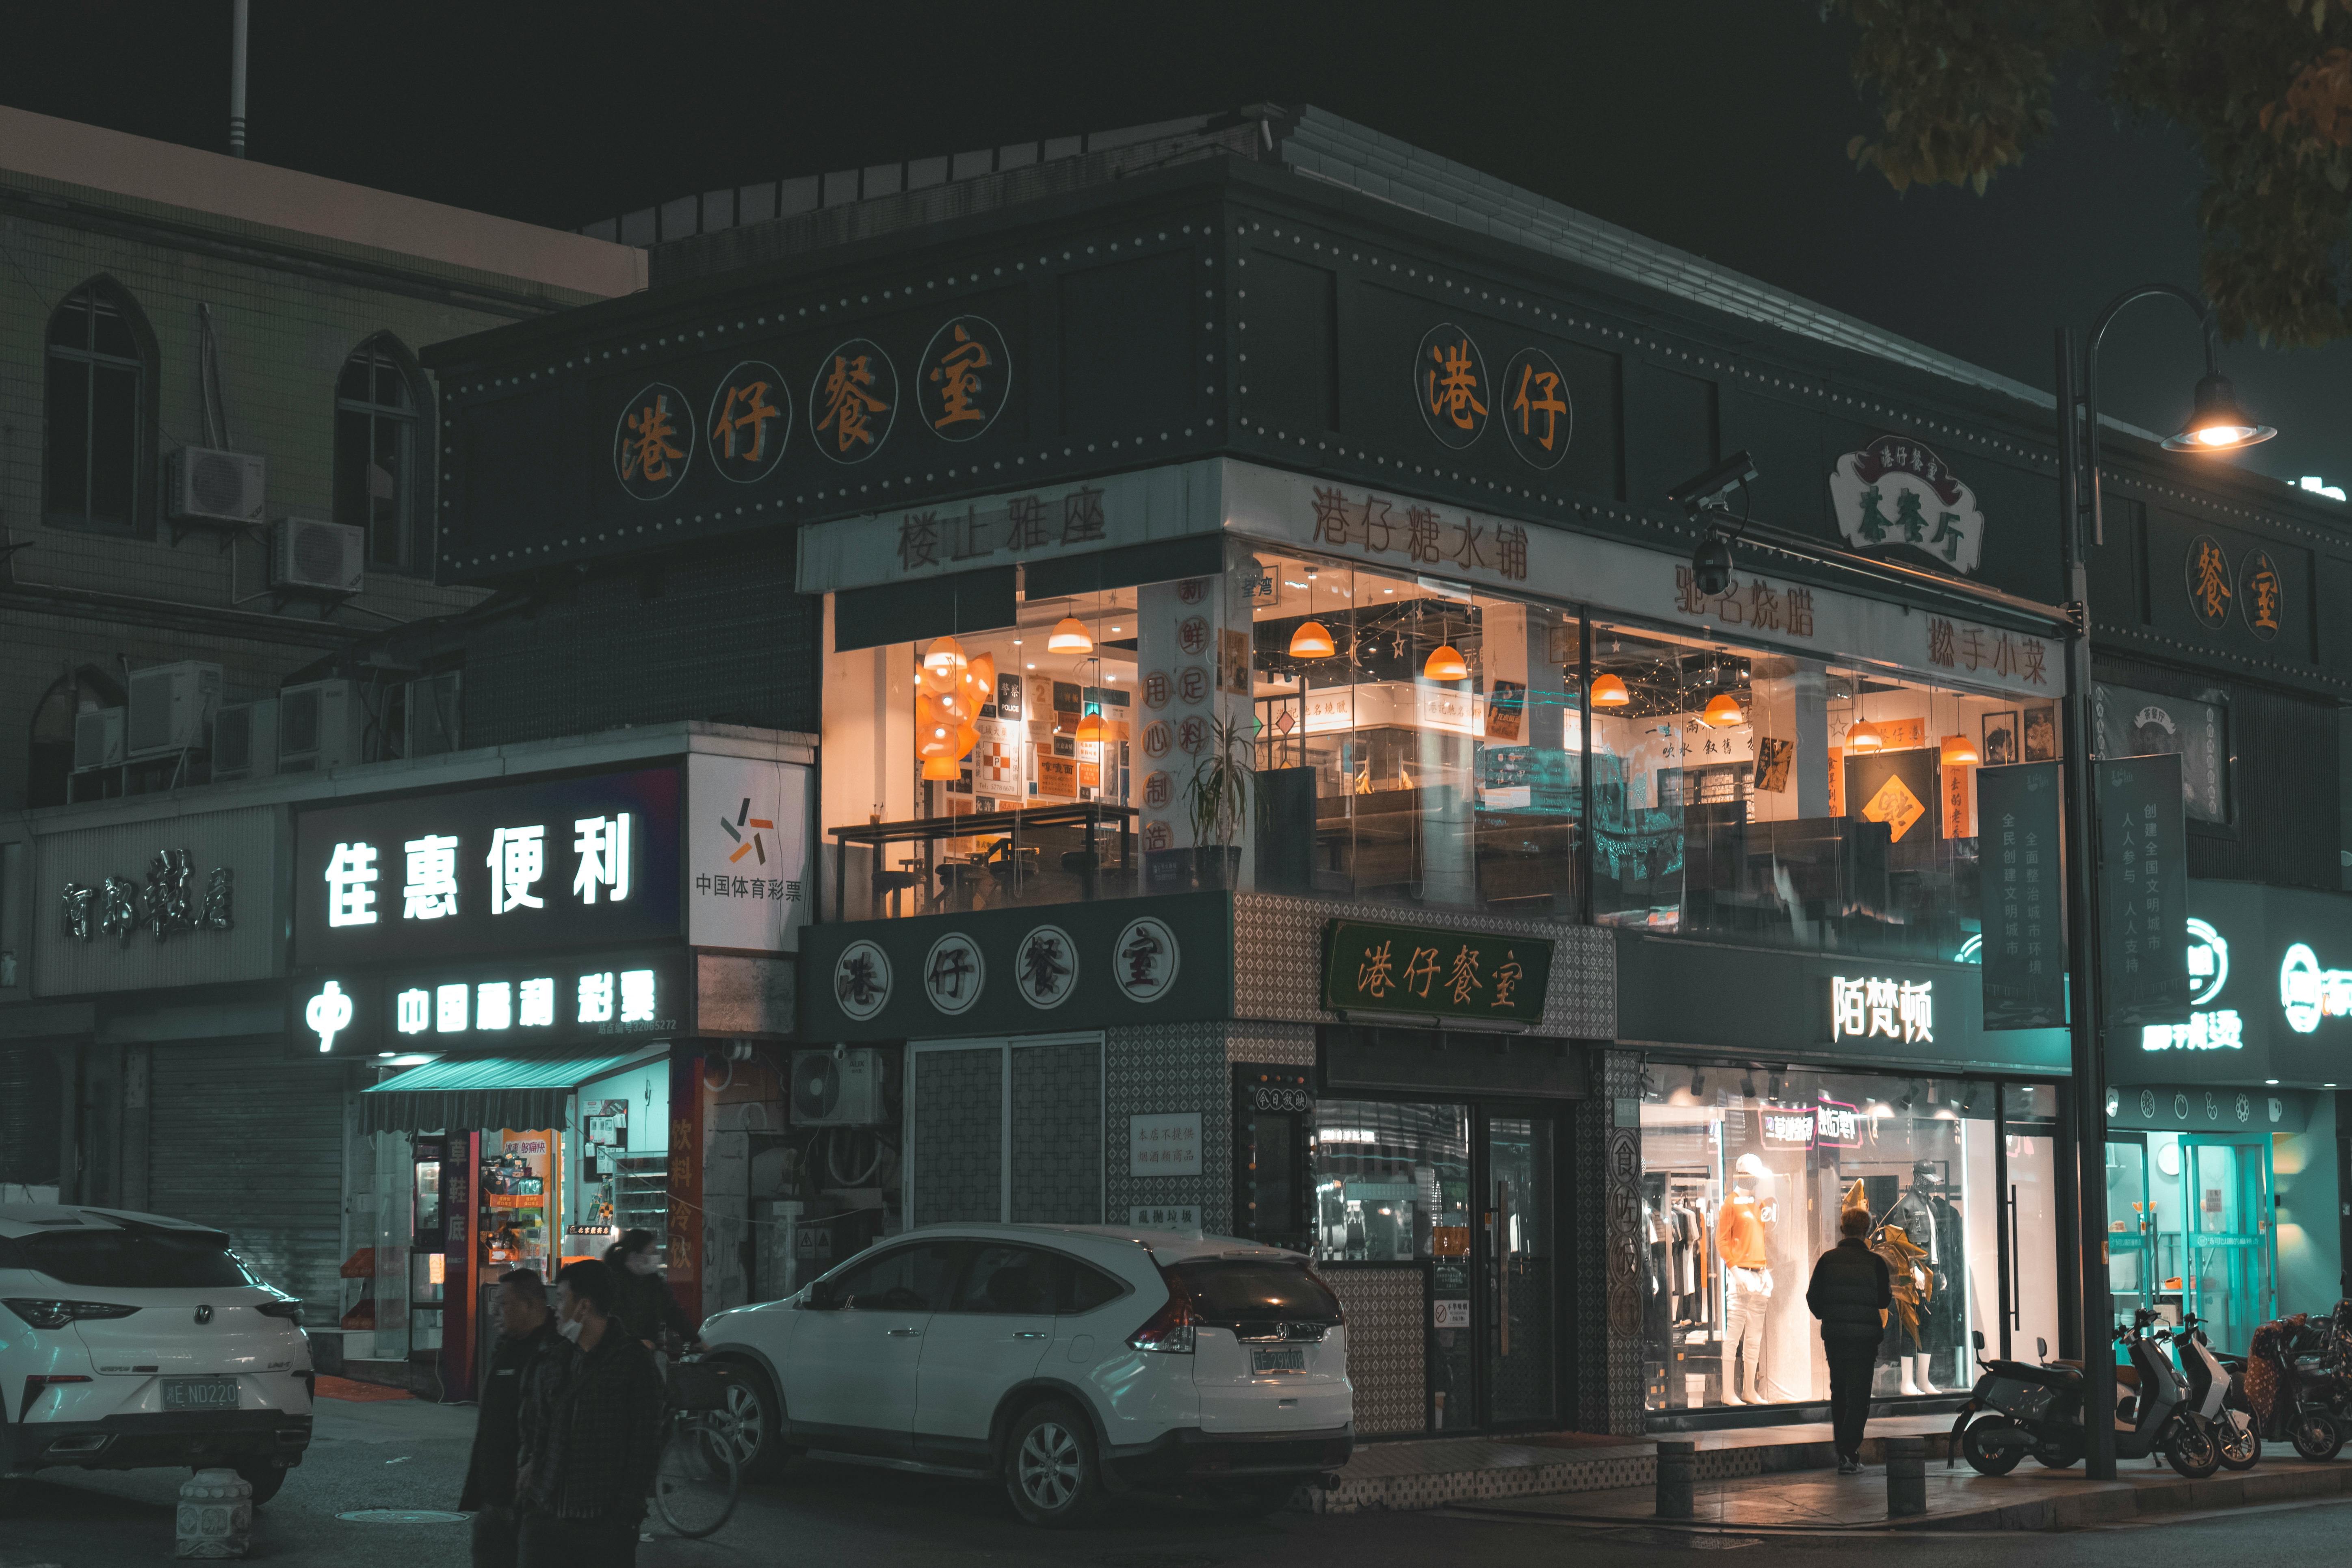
[2018, 1408]
[2213, 1394]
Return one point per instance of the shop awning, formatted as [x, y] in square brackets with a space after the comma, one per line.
[525, 1089]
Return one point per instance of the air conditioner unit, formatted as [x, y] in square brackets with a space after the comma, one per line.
[320, 725]
[205, 484]
[172, 707]
[97, 739]
[324, 557]
[245, 741]
[432, 715]
[837, 1088]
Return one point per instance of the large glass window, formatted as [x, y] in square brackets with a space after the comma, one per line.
[1416, 743]
[375, 461]
[96, 410]
[1746, 1175]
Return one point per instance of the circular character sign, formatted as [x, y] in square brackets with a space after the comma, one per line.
[1449, 383]
[653, 442]
[861, 980]
[852, 401]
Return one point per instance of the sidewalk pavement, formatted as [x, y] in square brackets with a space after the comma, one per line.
[2029, 1498]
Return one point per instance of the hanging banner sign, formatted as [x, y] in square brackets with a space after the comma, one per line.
[1441, 974]
[2143, 891]
[2024, 952]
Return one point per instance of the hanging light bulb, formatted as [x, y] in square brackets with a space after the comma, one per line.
[1959, 751]
[1608, 691]
[1863, 737]
[942, 663]
[1723, 713]
[1311, 641]
[1069, 637]
[1445, 663]
[942, 770]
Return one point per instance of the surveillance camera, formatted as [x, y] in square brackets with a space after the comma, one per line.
[1711, 565]
[1709, 489]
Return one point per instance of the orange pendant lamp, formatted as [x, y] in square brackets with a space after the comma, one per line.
[1608, 691]
[1723, 713]
[1865, 737]
[1090, 729]
[942, 770]
[943, 662]
[1445, 663]
[1069, 637]
[1312, 641]
[1959, 751]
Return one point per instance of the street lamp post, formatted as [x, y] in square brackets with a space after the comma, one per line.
[2217, 424]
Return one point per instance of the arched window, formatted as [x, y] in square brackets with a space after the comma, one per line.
[50, 750]
[376, 470]
[95, 471]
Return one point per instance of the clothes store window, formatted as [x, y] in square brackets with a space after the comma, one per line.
[1746, 1173]
[1750, 795]
[1417, 742]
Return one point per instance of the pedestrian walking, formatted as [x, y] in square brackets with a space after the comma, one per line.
[1849, 1293]
[526, 1333]
[647, 1304]
[592, 1432]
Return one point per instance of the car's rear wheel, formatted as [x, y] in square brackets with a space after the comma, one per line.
[265, 1480]
[1052, 1473]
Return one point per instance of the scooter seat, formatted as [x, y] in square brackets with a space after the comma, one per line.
[2125, 1376]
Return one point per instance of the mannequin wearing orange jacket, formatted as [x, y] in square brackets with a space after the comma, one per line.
[1742, 1241]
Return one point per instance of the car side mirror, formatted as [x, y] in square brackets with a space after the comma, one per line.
[821, 1297]
[1977, 1335]
[2042, 1347]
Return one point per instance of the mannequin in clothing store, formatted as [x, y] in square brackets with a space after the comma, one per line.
[1742, 1238]
[1932, 1224]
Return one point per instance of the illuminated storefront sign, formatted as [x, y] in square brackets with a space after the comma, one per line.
[1883, 1009]
[1792, 1129]
[2215, 1029]
[519, 1004]
[1839, 1124]
[2308, 993]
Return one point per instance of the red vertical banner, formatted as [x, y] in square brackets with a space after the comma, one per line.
[461, 1157]
[685, 1241]
[1957, 824]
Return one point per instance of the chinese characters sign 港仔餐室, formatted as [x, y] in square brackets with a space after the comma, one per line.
[1443, 974]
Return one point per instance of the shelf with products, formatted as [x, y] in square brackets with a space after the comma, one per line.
[641, 1191]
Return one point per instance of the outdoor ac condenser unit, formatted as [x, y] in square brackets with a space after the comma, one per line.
[323, 557]
[97, 739]
[172, 707]
[837, 1088]
[320, 725]
[205, 484]
[245, 741]
[432, 713]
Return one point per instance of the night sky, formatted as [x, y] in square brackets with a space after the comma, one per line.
[1715, 126]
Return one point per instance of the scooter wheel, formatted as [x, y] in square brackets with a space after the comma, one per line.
[2057, 1454]
[2193, 1452]
[2315, 1435]
[2241, 1450]
[1982, 1456]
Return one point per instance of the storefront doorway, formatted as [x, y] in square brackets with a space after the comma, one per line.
[1467, 1196]
[2189, 1216]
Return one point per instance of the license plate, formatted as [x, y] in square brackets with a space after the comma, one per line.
[1277, 1361]
[200, 1394]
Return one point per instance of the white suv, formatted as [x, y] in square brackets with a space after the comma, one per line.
[129, 1341]
[1071, 1361]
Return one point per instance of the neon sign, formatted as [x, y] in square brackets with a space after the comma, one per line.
[2220, 1029]
[2308, 993]
[1892, 1009]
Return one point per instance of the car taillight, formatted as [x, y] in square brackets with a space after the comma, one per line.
[291, 1310]
[1169, 1330]
[43, 1314]
[37, 1386]
[1339, 1316]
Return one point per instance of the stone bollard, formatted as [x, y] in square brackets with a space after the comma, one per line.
[1907, 1476]
[215, 1515]
[1676, 1463]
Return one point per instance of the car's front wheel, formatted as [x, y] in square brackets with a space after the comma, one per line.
[264, 1480]
[754, 1420]
[1052, 1472]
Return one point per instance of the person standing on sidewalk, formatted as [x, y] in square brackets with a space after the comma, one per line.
[646, 1304]
[526, 1333]
[592, 1433]
[1849, 1293]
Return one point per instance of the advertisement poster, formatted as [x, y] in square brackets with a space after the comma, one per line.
[2143, 891]
[2129, 723]
[2025, 953]
[747, 827]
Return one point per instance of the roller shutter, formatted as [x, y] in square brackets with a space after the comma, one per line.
[248, 1138]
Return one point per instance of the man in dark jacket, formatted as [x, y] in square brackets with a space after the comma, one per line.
[526, 1330]
[1849, 1293]
[591, 1433]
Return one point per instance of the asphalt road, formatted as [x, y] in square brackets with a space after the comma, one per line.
[409, 1455]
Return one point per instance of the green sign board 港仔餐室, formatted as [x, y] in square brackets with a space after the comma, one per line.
[1447, 975]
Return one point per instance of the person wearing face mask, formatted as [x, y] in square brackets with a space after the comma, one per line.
[592, 1432]
[647, 1304]
[526, 1333]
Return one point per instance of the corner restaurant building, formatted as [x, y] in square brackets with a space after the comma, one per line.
[1581, 941]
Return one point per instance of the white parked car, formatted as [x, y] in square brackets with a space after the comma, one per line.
[1070, 1361]
[129, 1340]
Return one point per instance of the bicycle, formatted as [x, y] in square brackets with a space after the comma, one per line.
[700, 1475]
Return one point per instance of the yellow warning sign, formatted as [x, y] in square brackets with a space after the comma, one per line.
[1895, 805]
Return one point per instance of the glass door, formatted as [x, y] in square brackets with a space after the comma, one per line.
[1522, 1271]
[2131, 1226]
[2230, 1269]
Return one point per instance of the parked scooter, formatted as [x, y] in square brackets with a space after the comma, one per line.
[2018, 1408]
[2213, 1394]
[2294, 1388]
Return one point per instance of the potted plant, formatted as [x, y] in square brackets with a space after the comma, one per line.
[1218, 797]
